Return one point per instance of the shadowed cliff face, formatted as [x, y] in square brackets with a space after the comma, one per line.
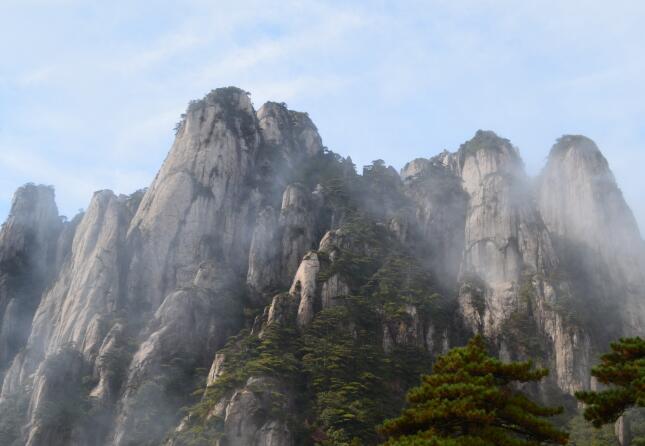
[505, 266]
[29, 241]
[254, 246]
[584, 208]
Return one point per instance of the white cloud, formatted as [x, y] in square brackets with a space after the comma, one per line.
[94, 91]
[38, 76]
[159, 52]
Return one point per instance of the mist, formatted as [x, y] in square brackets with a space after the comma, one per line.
[148, 308]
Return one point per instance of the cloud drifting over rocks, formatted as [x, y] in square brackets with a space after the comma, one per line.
[92, 92]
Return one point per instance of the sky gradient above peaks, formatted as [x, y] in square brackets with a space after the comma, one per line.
[90, 91]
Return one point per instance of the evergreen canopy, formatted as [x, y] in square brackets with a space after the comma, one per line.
[623, 369]
[469, 400]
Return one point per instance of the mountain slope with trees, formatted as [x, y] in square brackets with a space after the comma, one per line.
[261, 291]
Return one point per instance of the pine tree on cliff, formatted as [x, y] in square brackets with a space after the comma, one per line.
[470, 400]
[623, 370]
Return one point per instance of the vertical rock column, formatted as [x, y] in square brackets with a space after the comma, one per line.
[28, 255]
[582, 205]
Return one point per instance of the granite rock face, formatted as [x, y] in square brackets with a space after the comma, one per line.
[29, 247]
[116, 312]
[440, 213]
[501, 254]
[200, 205]
[583, 207]
[75, 314]
[152, 277]
[504, 235]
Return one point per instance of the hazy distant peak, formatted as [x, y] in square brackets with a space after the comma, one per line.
[579, 145]
[487, 140]
[225, 97]
[271, 107]
[31, 198]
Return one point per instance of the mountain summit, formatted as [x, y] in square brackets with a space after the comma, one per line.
[301, 298]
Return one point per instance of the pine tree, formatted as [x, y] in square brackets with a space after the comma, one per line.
[470, 400]
[623, 369]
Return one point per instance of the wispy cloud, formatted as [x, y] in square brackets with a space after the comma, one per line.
[93, 89]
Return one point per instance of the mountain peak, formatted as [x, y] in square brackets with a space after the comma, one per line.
[232, 95]
[250, 231]
[31, 201]
[486, 140]
[581, 156]
[575, 143]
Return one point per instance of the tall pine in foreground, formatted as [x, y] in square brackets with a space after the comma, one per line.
[470, 400]
[623, 370]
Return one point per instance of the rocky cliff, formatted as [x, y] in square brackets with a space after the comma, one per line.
[30, 255]
[586, 212]
[299, 298]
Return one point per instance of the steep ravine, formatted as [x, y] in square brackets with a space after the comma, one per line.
[302, 298]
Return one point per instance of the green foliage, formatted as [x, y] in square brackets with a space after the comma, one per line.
[13, 414]
[377, 193]
[471, 399]
[379, 269]
[477, 287]
[580, 275]
[623, 369]
[67, 399]
[325, 168]
[636, 424]
[345, 382]
[152, 408]
[484, 140]
[520, 326]
[346, 371]
[583, 434]
[247, 355]
[156, 397]
[401, 281]
[117, 360]
[357, 265]
[353, 382]
[380, 190]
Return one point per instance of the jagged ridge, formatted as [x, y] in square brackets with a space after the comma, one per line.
[252, 228]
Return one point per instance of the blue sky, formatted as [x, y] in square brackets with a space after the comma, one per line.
[90, 90]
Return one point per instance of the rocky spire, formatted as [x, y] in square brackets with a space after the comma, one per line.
[142, 291]
[504, 235]
[203, 202]
[28, 244]
[476, 209]
[579, 198]
[582, 205]
[75, 314]
[292, 133]
[208, 206]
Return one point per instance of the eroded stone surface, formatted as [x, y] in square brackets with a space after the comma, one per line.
[141, 288]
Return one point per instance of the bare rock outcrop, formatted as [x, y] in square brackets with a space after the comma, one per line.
[73, 318]
[202, 204]
[252, 227]
[265, 272]
[188, 328]
[305, 287]
[583, 207]
[440, 213]
[249, 415]
[290, 132]
[281, 239]
[477, 212]
[504, 235]
[28, 263]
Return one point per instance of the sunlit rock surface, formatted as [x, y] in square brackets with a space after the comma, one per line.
[110, 321]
